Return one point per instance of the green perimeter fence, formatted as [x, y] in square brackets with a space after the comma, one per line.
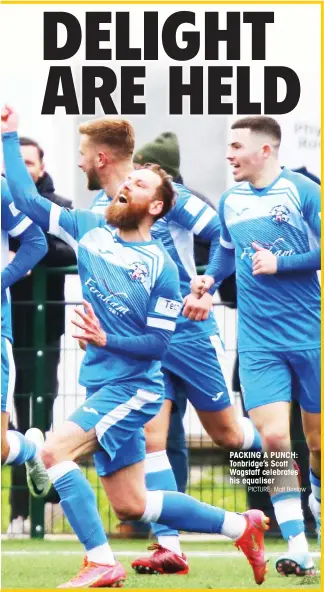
[209, 478]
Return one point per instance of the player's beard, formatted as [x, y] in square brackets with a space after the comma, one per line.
[126, 216]
[93, 180]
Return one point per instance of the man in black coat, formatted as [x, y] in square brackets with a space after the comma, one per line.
[59, 254]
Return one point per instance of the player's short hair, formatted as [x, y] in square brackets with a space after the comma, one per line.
[260, 124]
[117, 134]
[23, 141]
[165, 191]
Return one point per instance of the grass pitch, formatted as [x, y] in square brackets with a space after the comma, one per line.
[213, 565]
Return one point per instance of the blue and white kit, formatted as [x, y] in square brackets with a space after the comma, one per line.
[134, 291]
[202, 377]
[16, 225]
[279, 315]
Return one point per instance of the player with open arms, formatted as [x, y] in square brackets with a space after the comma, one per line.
[270, 230]
[15, 448]
[131, 291]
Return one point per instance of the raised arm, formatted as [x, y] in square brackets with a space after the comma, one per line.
[68, 225]
[22, 187]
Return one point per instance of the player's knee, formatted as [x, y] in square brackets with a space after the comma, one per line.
[128, 513]
[131, 509]
[155, 440]
[314, 444]
[275, 438]
[49, 456]
[57, 448]
[229, 439]
[155, 444]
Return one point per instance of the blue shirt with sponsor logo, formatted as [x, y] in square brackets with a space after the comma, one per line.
[133, 287]
[279, 312]
[189, 216]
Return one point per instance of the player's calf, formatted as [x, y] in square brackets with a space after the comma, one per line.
[185, 513]
[315, 501]
[4, 449]
[4, 443]
[314, 446]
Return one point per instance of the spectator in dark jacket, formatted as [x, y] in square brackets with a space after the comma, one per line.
[59, 254]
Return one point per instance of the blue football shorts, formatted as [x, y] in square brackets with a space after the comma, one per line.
[200, 366]
[8, 375]
[118, 414]
[197, 367]
[268, 377]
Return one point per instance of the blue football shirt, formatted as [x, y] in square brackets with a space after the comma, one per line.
[281, 311]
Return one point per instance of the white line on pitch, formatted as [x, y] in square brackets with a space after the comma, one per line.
[315, 554]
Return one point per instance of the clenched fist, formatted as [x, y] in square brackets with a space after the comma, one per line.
[9, 119]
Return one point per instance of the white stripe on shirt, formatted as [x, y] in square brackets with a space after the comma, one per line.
[204, 219]
[194, 205]
[54, 227]
[161, 323]
[20, 228]
[57, 230]
[226, 244]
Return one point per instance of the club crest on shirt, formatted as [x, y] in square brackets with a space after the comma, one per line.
[280, 214]
[138, 271]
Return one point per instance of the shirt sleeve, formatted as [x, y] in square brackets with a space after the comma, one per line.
[222, 263]
[33, 245]
[311, 210]
[164, 307]
[194, 214]
[12, 220]
[68, 225]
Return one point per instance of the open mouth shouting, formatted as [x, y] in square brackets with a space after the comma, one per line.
[122, 198]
